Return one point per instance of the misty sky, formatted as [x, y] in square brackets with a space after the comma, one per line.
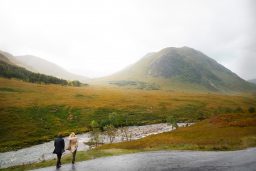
[96, 38]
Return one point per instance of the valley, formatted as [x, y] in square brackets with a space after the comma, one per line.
[127, 85]
[35, 113]
[174, 85]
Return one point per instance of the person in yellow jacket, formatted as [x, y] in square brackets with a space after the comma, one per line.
[73, 145]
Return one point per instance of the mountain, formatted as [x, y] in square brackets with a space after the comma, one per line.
[179, 69]
[252, 81]
[39, 65]
[10, 70]
[3, 58]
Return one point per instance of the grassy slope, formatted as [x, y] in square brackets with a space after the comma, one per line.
[33, 113]
[223, 132]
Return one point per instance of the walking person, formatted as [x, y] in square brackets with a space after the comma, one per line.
[59, 146]
[73, 144]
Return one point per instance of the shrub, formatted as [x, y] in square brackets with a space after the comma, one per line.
[75, 83]
[111, 132]
[172, 121]
[238, 110]
[251, 109]
[95, 133]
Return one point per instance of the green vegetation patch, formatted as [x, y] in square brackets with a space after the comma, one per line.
[136, 84]
[38, 113]
[12, 71]
[21, 127]
[190, 112]
[7, 89]
[83, 96]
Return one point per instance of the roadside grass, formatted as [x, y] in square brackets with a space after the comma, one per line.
[218, 133]
[34, 113]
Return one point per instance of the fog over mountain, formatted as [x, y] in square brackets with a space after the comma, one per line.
[39, 65]
[252, 81]
[179, 69]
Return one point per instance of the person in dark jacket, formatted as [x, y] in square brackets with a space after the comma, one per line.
[59, 145]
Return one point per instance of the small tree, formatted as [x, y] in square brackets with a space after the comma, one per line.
[95, 133]
[114, 119]
[126, 135]
[110, 131]
[103, 123]
[94, 124]
[172, 121]
[121, 120]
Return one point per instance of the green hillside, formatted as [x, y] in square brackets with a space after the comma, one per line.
[182, 69]
[39, 65]
[34, 113]
[9, 70]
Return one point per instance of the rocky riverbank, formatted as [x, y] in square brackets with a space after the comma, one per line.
[43, 151]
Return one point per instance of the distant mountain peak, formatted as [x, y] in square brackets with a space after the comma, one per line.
[40, 65]
[252, 81]
[182, 68]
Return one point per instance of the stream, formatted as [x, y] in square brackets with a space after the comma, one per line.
[44, 151]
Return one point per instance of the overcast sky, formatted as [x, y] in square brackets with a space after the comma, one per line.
[99, 37]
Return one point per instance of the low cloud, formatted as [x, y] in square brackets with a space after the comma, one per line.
[98, 38]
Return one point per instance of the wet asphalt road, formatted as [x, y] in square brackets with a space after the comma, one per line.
[242, 160]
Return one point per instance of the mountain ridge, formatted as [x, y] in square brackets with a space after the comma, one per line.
[182, 68]
[40, 65]
[10, 70]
